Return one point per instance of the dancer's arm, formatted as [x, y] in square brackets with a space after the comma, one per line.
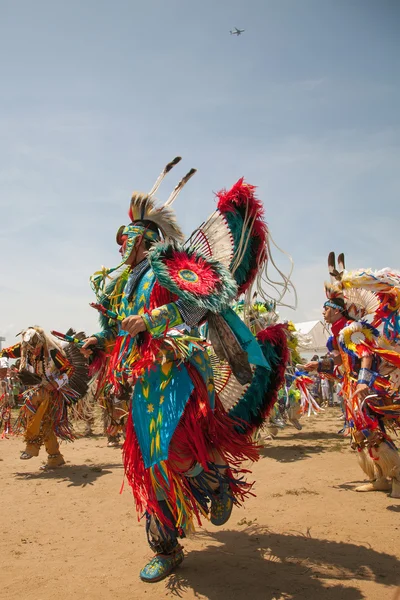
[366, 376]
[11, 351]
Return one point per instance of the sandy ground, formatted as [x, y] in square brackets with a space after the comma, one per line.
[70, 534]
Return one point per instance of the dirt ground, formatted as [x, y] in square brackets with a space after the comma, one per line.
[70, 534]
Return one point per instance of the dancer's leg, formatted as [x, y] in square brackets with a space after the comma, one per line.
[163, 540]
[55, 458]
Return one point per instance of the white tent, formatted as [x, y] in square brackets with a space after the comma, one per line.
[313, 338]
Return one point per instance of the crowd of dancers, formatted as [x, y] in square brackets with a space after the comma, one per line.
[190, 363]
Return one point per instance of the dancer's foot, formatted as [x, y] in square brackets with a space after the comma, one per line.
[221, 505]
[296, 423]
[113, 441]
[54, 461]
[277, 422]
[162, 565]
[379, 485]
[25, 456]
[395, 488]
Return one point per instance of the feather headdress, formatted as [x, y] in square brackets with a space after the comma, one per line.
[380, 291]
[143, 209]
[148, 221]
[154, 220]
[357, 302]
[35, 338]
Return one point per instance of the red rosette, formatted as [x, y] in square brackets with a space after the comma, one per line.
[202, 281]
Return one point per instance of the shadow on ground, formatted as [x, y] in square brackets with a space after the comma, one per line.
[73, 475]
[314, 435]
[286, 454]
[258, 564]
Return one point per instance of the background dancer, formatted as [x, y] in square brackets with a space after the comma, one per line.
[367, 361]
[55, 381]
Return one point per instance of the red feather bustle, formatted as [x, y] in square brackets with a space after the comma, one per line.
[241, 199]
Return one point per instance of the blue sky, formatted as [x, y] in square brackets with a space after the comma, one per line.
[97, 96]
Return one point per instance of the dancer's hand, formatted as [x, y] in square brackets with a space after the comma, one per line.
[133, 325]
[85, 349]
[310, 366]
[362, 390]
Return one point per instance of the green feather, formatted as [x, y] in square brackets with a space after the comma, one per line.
[236, 224]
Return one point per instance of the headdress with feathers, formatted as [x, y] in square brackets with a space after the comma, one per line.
[380, 294]
[355, 303]
[36, 339]
[148, 221]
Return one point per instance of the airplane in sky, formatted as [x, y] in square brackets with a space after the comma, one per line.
[237, 31]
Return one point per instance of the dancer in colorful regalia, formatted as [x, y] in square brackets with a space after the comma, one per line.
[56, 377]
[6, 403]
[365, 357]
[192, 411]
[295, 395]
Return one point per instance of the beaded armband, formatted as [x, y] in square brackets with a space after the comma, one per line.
[366, 376]
[326, 365]
[162, 318]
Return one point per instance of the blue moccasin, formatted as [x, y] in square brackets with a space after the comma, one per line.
[161, 565]
[221, 506]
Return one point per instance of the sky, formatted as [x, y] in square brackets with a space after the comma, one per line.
[97, 96]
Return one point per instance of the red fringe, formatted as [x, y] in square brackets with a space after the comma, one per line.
[203, 436]
[98, 363]
[203, 429]
[160, 296]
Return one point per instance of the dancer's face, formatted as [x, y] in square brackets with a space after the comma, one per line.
[331, 315]
[138, 253]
